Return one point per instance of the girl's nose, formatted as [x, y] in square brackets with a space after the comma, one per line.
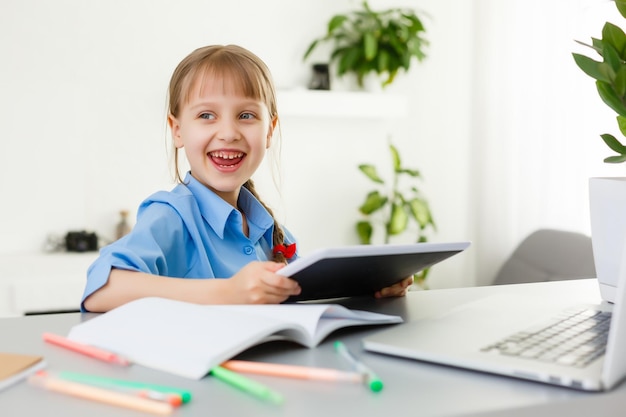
[228, 131]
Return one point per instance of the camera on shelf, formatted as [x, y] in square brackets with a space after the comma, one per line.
[81, 241]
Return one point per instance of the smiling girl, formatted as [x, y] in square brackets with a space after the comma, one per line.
[222, 113]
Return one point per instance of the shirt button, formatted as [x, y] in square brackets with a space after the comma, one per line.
[248, 250]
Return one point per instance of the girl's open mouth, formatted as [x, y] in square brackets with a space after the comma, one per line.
[226, 159]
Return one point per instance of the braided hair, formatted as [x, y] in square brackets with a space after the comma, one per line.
[278, 237]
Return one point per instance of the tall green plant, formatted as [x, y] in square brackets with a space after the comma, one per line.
[610, 76]
[395, 205]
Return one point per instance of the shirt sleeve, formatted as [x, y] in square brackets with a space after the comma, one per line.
[156, 245]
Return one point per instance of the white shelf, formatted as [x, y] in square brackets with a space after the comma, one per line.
[341, 104]
[38, 282]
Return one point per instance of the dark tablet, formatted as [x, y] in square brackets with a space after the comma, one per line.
[363, 269]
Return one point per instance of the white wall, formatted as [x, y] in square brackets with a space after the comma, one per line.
[83, 102]
[83, 109]
[537, 121]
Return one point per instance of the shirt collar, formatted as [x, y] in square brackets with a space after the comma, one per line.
[219, 214]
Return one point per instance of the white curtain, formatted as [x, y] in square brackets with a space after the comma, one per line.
[537, 122]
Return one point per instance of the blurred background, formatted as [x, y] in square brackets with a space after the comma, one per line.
[503, 126]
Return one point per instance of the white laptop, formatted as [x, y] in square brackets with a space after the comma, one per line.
[502, 334]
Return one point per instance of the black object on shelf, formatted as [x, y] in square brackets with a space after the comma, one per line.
[81, 241]
[321, 77]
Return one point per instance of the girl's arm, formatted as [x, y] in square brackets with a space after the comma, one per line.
[256, 283]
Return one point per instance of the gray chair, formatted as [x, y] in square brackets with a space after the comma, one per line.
[549, 255]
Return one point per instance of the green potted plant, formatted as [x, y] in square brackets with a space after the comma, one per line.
[394, 206]
[607, 195]
[379, 42]
[610, 76]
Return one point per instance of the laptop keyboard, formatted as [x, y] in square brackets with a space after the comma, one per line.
[575, 338]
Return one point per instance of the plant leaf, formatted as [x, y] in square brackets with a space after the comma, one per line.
[373, 201]
[310, 49]
[619, 84]
[610, 97]
[591, 68]
[392, 76]
[348, 57]
[383, 61]
[370, 45]
[335, 23]
[621, 6]
[364, 229]
[411, 172]
[371, 172]
[614, 144]
[421, 212]
[613, 36]
[618, 159]
[416, 23]
[395, 158]
[398, 220]
[416, 48]
[596, 44]
[621, 122]
[611, 56]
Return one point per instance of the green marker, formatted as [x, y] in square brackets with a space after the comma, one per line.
[247, 385]
[185, 395]
[371, 379]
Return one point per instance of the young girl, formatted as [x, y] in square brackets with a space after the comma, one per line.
[222, 112]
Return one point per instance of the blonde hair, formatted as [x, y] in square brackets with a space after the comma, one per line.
[247, 73]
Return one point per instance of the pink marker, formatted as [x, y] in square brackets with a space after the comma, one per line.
[91, 351]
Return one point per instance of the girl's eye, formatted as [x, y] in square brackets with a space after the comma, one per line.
[206, 116]
[247, 116]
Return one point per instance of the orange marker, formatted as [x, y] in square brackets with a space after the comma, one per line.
[292, 371]
[100, 394]
[94, 352]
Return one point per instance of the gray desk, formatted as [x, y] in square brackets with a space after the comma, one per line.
[411, 388]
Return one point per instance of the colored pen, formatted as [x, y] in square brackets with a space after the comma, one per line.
[100, 394]
[371, 379]
[184, 395]
[168, 397]
[172, 399]
[91, 351]
[247, 385]
[292, 371]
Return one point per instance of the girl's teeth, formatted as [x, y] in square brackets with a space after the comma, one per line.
[225, 155]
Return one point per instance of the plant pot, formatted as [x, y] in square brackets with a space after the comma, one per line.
[346, 82]
[372, 83]
[607, 207]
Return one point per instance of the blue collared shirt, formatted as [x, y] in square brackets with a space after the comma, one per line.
[189, 232]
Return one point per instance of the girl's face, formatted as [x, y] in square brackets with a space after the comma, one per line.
[225, 136]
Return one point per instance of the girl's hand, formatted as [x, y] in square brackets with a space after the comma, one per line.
[258, 283]
[396, 290]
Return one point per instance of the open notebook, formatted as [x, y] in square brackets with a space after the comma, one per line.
[189, 339]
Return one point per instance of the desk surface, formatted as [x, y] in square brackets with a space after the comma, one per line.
[411, 388]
